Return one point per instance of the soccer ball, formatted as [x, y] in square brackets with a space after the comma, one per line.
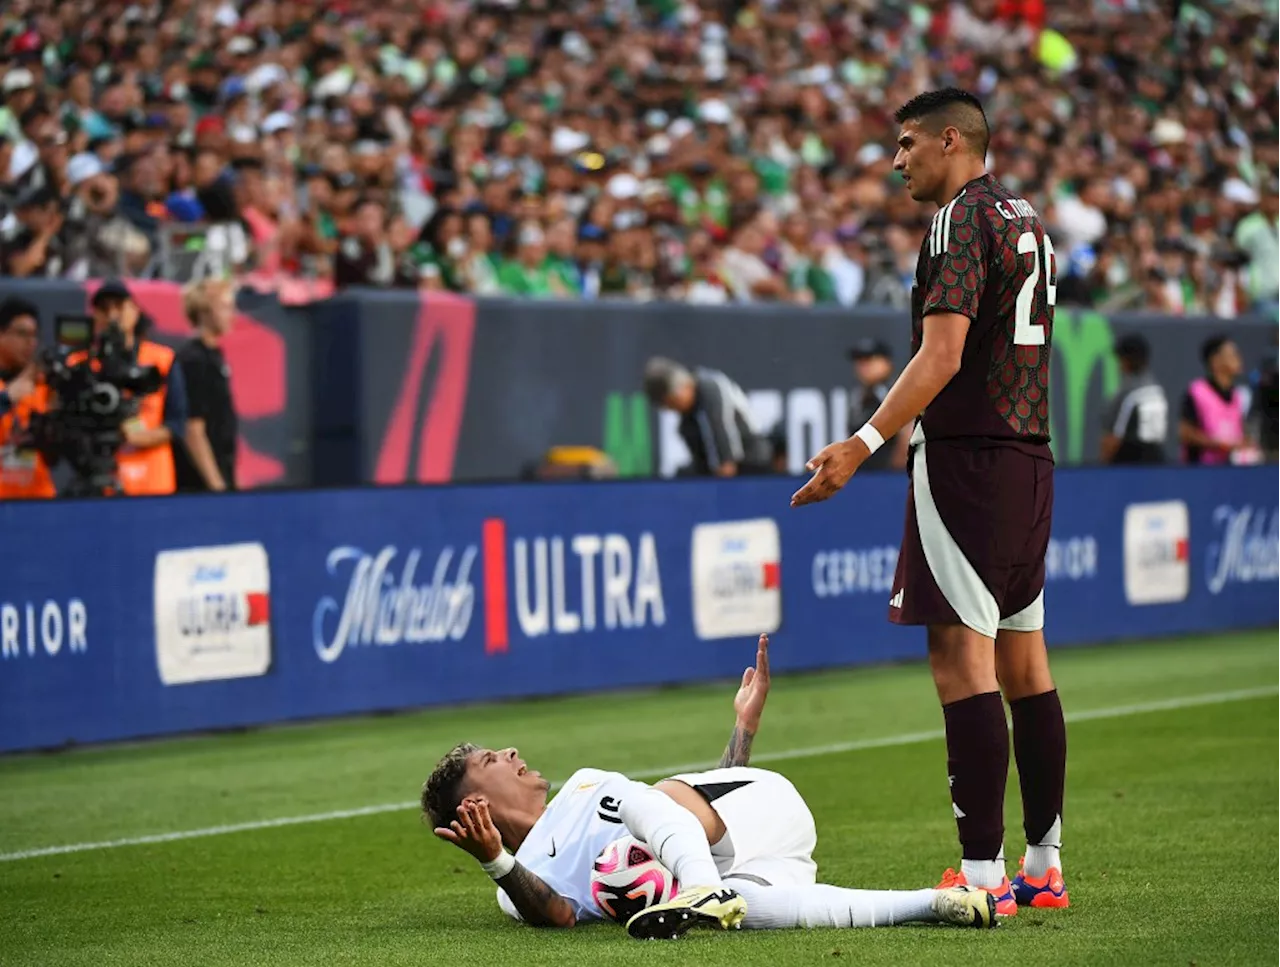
[627, 878]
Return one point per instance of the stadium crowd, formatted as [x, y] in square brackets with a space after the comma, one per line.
[738, 150]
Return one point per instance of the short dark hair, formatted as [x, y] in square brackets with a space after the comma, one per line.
[1211, 346]
[1135, 348]
[14, 308]
[950, 107]
[442, 792]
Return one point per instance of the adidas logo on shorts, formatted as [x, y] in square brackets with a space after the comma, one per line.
[896, 600]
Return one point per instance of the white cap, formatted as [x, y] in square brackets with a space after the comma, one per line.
[226, 16]
[264, 76]
[24, 157]
[83, 167]
[659, 145]
[276, 122]
[1238, 191]
[715, 111]
[567, 140]
[241, 45]
[1167, 131]
[18, 79]
[870, 153]
[623, 186]
[680, 128]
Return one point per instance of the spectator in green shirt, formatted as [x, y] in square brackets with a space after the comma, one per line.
[529, 273]
[1257, 237]
[562, 260]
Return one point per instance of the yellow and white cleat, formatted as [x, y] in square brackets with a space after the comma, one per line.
[699, 906]
[965, 906]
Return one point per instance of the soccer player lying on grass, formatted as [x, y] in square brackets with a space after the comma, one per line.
[740, 839]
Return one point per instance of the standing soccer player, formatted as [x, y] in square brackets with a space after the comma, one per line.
[971, 566]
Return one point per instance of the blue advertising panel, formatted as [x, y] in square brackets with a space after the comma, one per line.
[142, 617]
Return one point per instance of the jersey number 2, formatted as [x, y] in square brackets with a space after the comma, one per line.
[1024, 333]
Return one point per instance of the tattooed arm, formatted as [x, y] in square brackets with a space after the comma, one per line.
[748, 705]
[474, 832]
[539, 905]
[738, 751]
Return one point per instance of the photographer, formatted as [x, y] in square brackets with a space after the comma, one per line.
[208, 459]
[24, 474]
[145, 462]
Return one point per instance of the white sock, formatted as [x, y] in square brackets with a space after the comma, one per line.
[820, 905]
[985, 874]
[672, 832]
[1047, 853]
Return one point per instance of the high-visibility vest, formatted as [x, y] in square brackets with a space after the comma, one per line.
[147, 471]
[24, 475]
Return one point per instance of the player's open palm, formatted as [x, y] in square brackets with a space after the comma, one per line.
[832, 468]
[473, 831]
[748, 704]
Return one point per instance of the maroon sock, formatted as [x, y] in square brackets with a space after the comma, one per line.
[977, 766]
[1040, 747]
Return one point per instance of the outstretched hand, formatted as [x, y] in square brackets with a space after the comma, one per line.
[832, 468]
[473, 831]
[748, 704]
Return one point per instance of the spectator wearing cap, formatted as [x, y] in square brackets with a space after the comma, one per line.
[19, 92]
[145, 462]
[1135, 422]
[205, 460]
[1215, 408]
[845, 262]
[1258, 236]
[872, 376]
[529, 274]
[99, 242]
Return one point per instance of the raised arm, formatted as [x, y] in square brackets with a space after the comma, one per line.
[474, 832]
[748, 705]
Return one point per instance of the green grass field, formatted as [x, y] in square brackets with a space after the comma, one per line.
[1170, 855]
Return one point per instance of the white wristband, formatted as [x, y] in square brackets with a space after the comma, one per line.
[869, 435]
[501, 866]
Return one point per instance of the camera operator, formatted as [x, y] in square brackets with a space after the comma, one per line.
[208, 459]
[24, 474]
[145, 462]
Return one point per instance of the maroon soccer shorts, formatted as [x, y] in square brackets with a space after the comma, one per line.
[976, 536]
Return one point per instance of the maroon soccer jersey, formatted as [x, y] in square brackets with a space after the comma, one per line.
[986, 256]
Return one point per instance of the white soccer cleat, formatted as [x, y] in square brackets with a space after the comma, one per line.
[965, 906]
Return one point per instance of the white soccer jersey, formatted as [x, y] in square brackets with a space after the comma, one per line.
[579, 822]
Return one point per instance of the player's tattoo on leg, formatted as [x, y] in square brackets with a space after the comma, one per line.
[539, 905]
[738, 751]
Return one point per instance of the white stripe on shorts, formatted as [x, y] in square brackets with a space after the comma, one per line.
[1030, 618]
[959, 583]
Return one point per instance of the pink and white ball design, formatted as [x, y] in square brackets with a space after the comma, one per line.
[627, 878]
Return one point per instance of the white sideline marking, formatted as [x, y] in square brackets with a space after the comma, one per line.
[908, 738]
